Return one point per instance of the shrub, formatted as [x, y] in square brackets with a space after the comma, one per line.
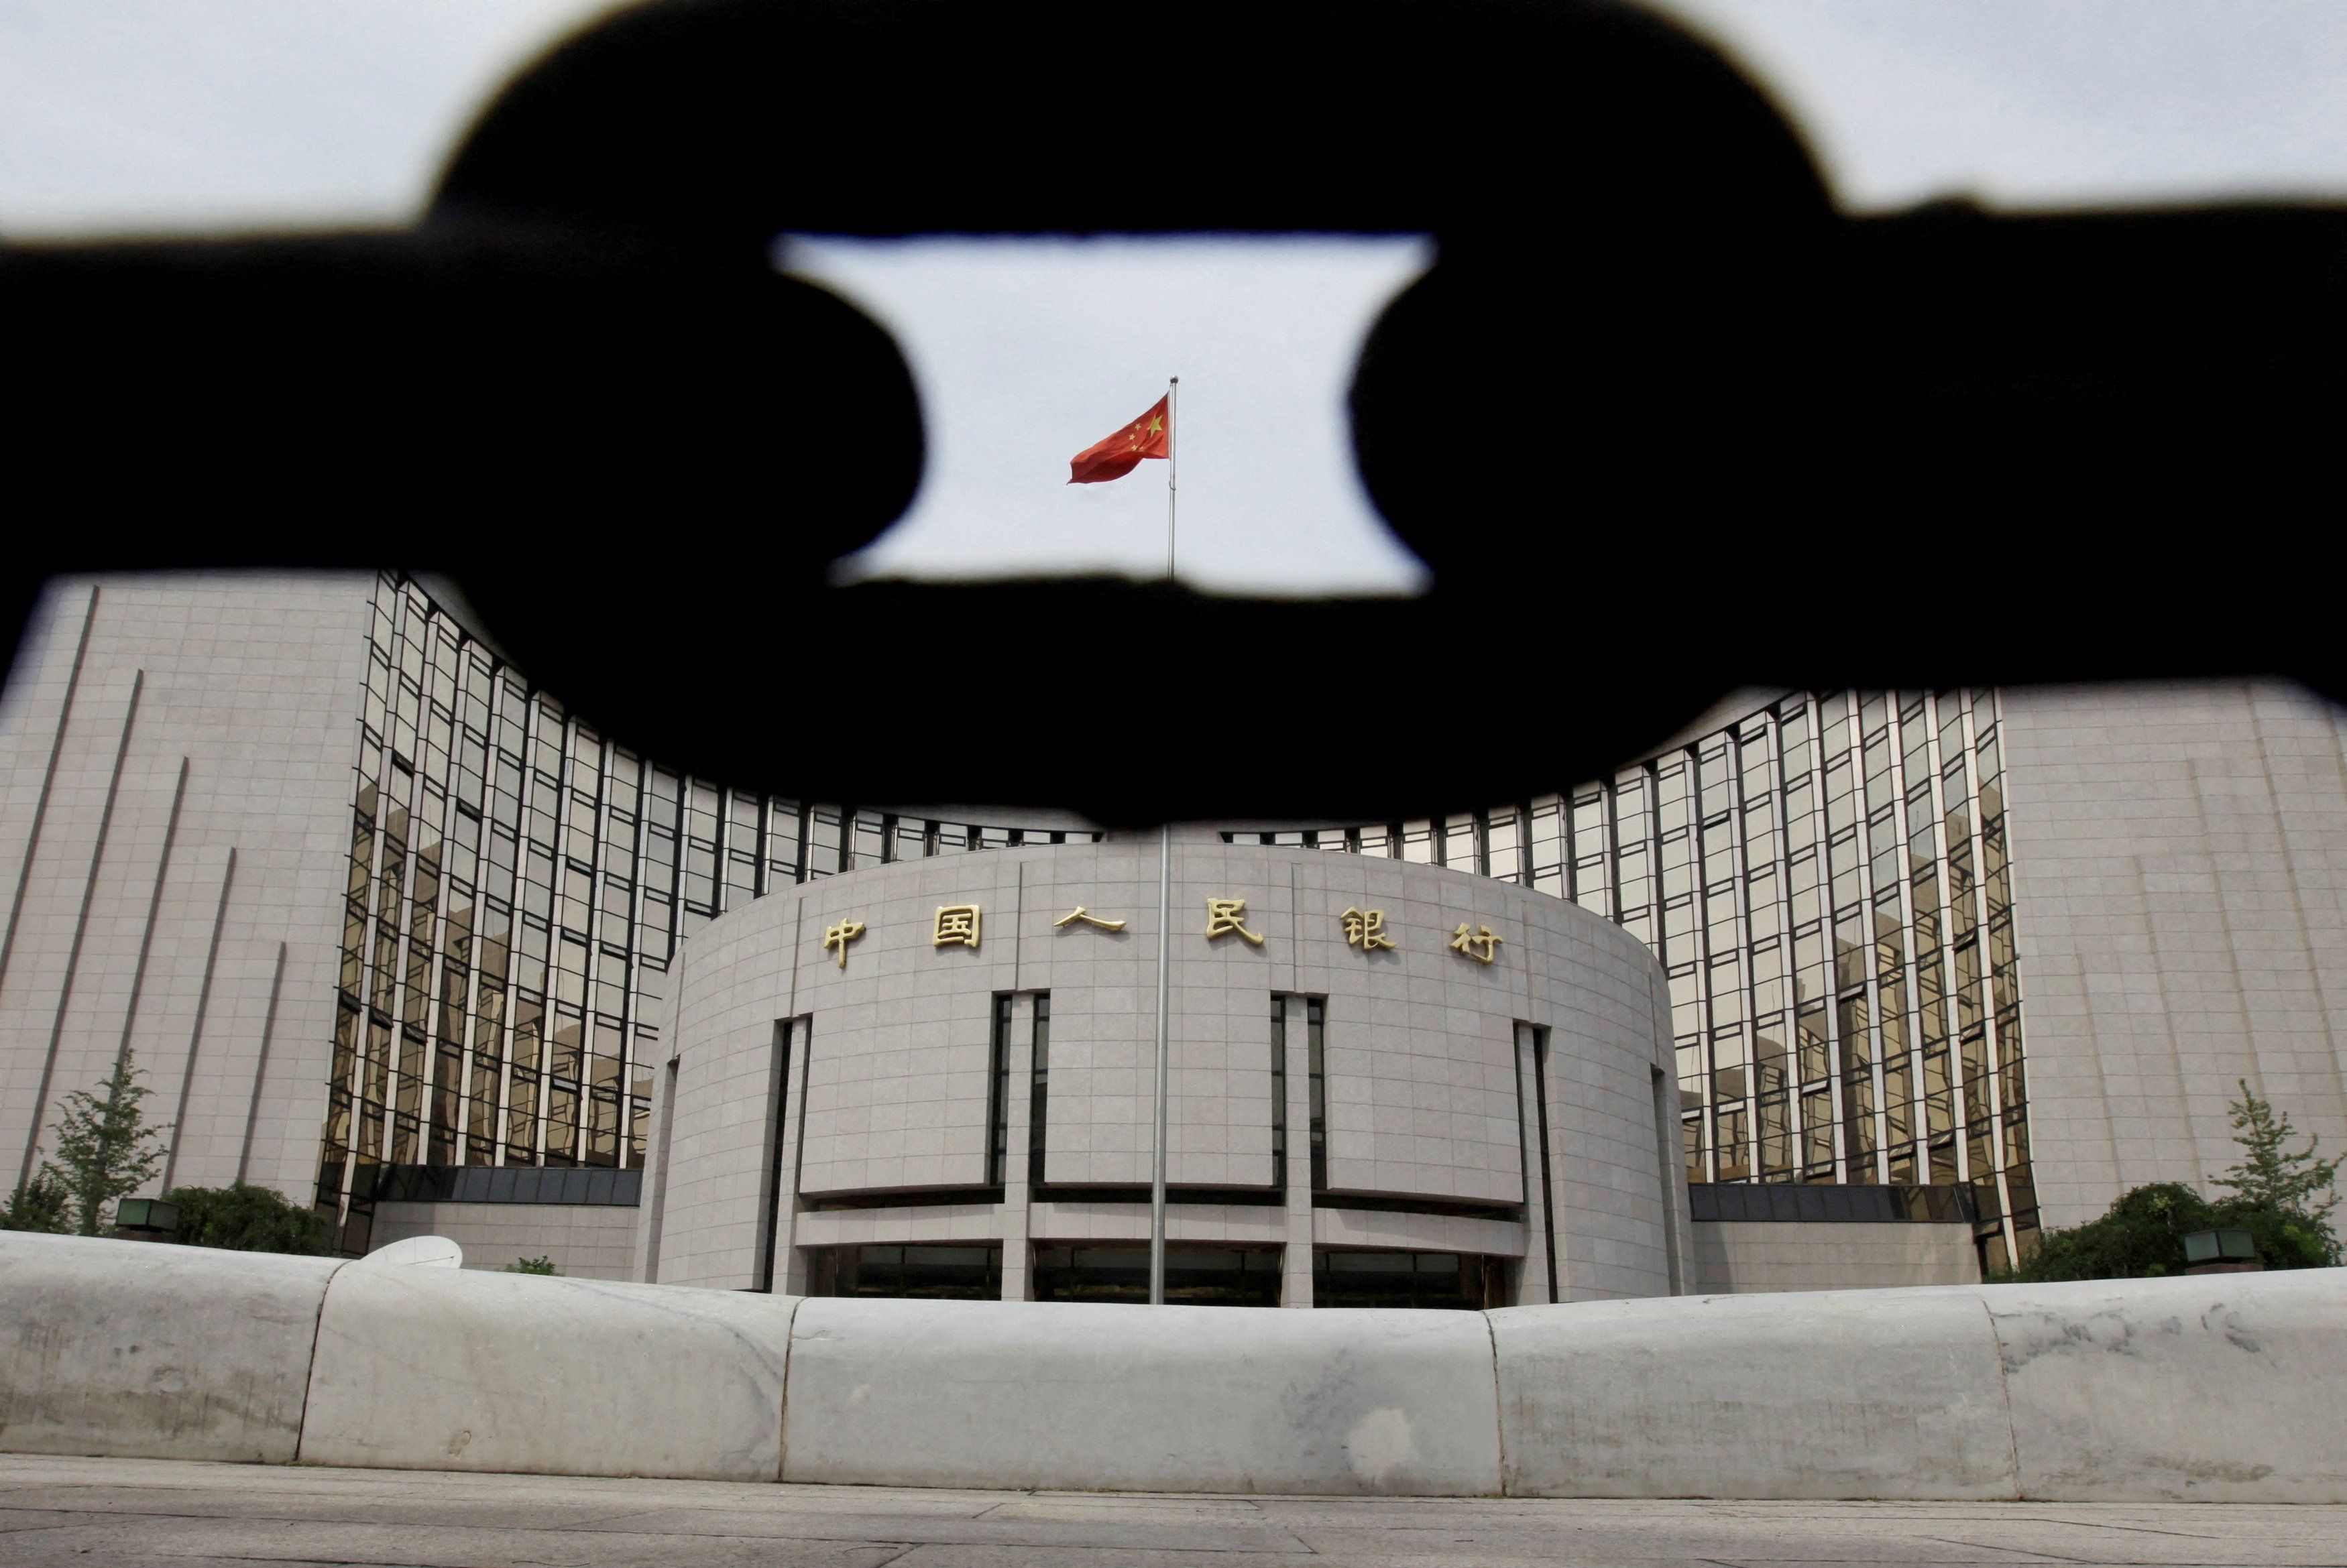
[243, 1217]
[2141, 1236]
[532, 1265]
[38, 1205]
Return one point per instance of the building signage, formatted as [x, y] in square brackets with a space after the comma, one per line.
[959, 925]
[1479, 944]
[840, 935]
[1228, 916]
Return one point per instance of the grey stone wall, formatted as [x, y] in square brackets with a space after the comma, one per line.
[887, 1083]
[175, 758]
[2179, 853]
[1740, 1259]
[584, 1241]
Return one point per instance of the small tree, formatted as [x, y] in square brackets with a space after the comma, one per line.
[532, 1265]
[244, 1218]
[2269, 1175]
[37, 1205]
[105, 1150]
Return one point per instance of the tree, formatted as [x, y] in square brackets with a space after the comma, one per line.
[2270, 1175]
[105, 1150]
[246, 1217]
[37, 1205]
[532, 1265]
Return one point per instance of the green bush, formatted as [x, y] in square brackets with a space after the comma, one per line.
[532, 1265]
[39, 1204]
[2142, 1237]
[243, 1217]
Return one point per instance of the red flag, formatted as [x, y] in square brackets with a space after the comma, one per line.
[1150, 436]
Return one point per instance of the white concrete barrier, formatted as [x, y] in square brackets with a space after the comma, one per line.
[441, 1368]
[1863, 1393]
[2218, 1388]
[2224, 1388]
[156, 1351]
[1114, 1398]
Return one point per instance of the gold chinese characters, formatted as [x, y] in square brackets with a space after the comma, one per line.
[1480, 938]
[840, 935]
[961, 925]
[1226, 916]
[956, 925]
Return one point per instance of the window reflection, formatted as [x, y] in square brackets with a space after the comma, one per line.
[1448, 1280]
[515, 890]
[1869, 828]
[1194, 1276]
[932, 1273]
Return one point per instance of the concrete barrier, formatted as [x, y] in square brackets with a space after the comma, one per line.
[442, 1369]
[1112, 1397]
[162, 1352]
[1863, 1393]
[2219, 1388]
[2223, 1388]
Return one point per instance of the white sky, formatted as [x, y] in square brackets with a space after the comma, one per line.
[1025, 352]
[177, 115]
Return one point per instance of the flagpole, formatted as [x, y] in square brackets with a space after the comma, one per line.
[1173, 394]
[1165, 929]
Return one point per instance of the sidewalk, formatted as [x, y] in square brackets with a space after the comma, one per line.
[92, 1511]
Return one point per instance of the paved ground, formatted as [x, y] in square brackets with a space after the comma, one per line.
[93, 1511]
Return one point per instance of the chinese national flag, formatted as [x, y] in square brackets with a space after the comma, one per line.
[1150, 436]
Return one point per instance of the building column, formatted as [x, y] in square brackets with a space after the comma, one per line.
[652, 1196]
[1295, 1268]
[1018, 1279]
[1533, 1286]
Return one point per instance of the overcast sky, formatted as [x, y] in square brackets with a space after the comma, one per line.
[163, 115]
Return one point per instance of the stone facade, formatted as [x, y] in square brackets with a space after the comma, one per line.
[1740, 1258]
[175, 777]
[2180, 860]
[582, 1241]
[176, 803]
[802, 1083]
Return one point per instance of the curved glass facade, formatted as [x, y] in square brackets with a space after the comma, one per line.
[517, 886]
[1827, 882]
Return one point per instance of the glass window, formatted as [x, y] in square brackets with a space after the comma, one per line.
[1316, 1021]
[1343, 1277]
[1279, 1092]
[997, 1114]
[932, 1273]
[1194, 1276]
[1038, 1090]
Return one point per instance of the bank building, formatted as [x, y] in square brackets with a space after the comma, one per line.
[1835, 989]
